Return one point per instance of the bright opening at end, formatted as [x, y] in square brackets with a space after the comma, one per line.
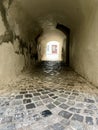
[52, 51]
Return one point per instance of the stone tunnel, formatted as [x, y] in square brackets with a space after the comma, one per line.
[48, 65]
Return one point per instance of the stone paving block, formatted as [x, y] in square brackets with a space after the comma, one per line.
[76, 94]
[64, 106]
[57, 126]
[19, 117]
[2, 110]
[19, 108]
[45, 92]
[92, 107]
[48, 100]
[19, 96]
[40, 90]
[30, 112]
[75, 110]
[37, 117]
[30, 91]
[6, 119]
[36, 98]
[30, 106]
[77, 117]
[23, 92]
[70, 102]
[61, 100]
[65, 122]
[39, 103]
[72, 97]
[51, 106]
[11, 126]
[36, 94]
[89, 100]
[53, 90]
[80, 105]
[44, 96]
[28, 95]
[51, 94]
[33, 91]
[16, 102]
[55, 97]
[46, 113]
[25, 101]
[89, 120]
[8, 112]
[80, 99]
[4, 103]
[63, 95]
[89, 112]
[61, 91]
[68, 93]
[8, 127]
[57, 103]
[76, 125]
[65, 114]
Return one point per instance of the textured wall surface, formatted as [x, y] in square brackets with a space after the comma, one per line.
[2, 27]
[84, 47]
[11, 63]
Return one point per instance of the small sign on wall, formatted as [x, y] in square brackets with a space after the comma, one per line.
[54, 49]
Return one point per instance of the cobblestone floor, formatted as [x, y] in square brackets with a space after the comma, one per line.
[48, 101]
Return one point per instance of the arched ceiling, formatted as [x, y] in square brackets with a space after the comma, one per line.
[29, 16]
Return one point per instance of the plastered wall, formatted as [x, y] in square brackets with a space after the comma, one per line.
[11, 63]
[84, 47]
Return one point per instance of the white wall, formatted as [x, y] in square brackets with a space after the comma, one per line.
[84, 47]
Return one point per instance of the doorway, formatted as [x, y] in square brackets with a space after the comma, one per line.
[66, 31]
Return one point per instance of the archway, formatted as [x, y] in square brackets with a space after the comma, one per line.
[52, 46]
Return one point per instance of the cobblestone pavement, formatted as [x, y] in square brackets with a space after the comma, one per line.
[48, 101]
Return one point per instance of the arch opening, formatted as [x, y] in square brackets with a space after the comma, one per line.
[53, 51]
[52, 46]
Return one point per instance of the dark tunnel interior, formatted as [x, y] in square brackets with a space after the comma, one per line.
[49, 65]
